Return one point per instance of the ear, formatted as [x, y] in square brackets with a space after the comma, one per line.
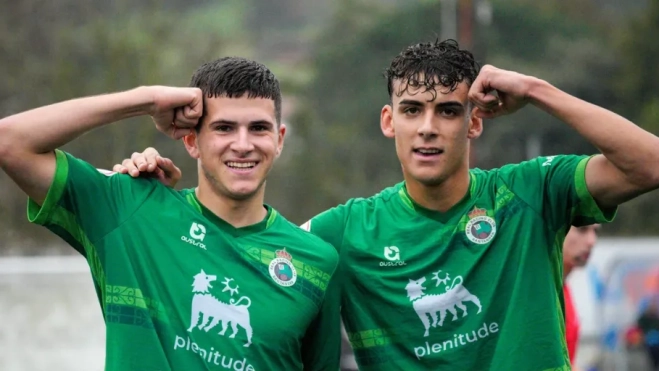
[475, 125]
[191, 144]
[281, 134]
[387, 121]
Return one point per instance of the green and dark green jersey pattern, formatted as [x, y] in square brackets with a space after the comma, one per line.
[478, 287]
[181, 289]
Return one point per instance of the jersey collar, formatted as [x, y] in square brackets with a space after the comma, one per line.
[270, 217]
[442, 217]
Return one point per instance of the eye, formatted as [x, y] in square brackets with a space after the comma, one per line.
[411, 110]
[223, 128]
[259, 128]
[447, 112]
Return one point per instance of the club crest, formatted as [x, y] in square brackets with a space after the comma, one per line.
[481, 228]
[282, 270]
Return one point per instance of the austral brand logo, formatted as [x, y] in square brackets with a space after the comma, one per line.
[448, 295]
[197, 235]
[392, 254]
[282, 270]
[481, 228]
[208, 312]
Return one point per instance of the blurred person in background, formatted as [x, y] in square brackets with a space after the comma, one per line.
[648, 324]
[577, 247]
[169, 266]
[457, 268]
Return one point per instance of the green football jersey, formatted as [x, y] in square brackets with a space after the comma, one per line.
[181, 289]
[476, 288]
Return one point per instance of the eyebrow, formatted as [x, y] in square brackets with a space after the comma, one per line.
[229, 122]
[449, 104]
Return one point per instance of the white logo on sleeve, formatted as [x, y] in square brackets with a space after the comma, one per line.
[197, 235]
[306, 226]
[392, 254]
[548, 160]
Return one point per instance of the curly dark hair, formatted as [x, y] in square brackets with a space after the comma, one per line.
[235, 76]
[441, 61]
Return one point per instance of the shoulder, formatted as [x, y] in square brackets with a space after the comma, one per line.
[378, 200]
[306, 238]
[538, 166]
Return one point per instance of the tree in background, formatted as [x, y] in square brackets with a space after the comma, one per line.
[345, 153]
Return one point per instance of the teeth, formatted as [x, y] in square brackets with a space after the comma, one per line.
[241, 165]
[428, 151]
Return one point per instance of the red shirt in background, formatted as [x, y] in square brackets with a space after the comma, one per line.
[571, 324]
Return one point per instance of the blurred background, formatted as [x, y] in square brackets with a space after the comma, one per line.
[329, 56]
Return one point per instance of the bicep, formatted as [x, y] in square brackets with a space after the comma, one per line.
[607, 184]
[33, 173]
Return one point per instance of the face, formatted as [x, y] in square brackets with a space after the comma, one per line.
[237, 144]
[432, 133]
[578, 244]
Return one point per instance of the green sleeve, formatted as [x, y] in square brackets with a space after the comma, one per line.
[329, 225]
[321, 346]
[555, 186]
[84, 204]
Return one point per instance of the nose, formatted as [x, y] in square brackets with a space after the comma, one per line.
[428, 128]
[242, 142]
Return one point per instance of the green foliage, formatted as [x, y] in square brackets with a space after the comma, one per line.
[638, 52]
[331, 75]
[345, 98]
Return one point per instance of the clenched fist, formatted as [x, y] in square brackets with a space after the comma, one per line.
[511, 92]
[176, 111]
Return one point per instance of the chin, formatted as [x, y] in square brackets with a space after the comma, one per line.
[429, 180]
[242, 193]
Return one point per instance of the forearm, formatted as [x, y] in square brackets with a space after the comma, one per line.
[625, 145]
[44, 129]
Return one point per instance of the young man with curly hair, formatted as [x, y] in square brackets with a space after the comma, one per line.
[459, 269]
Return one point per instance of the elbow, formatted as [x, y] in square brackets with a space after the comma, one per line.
[652, 168]
[647, 178]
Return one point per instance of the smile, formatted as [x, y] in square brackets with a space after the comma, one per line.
[428, 152]
[241, 166]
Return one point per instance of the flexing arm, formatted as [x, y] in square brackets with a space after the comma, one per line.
[626, 167]
[624, 170]
[28, 139]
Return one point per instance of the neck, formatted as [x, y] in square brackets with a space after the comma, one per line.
[567, 268]
[238, 213]
[443, 196]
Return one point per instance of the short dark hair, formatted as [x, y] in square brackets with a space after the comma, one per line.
[234, 77]
[441, 61]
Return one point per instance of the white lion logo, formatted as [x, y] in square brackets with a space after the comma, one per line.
[425, 305]
[205, 304]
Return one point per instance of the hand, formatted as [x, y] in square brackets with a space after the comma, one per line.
[150, 164]
[511, 89]
[176, 111]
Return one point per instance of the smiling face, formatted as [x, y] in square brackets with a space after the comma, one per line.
[236, 145]
[432, 129]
